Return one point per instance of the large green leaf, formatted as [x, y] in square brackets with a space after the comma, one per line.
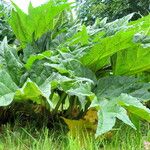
[107, 115]
[33, 58]
[80, 87]
[110, 45]
[133, 60]
[31, 91]
[134, 106]
[73, 68]
[7, 88]
[38, 72]
[110, 87]
[82, 91]
[116, 96]
[117, 25]
[81, 37]
[10, 61]
[136, 58]
[31, 26]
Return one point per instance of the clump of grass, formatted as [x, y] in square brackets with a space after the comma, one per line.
[30, 138]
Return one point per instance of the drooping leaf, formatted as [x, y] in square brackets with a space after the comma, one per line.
[134, 106]
[31, 91]
[80, 87]
[112, 103]
[82, 91]
[11, 62]
[107, 115]
[7, 88]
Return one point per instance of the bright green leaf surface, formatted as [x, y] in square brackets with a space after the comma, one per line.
[31, 26]
[110, 45]
[134, 106]
[31, 91]
[33, 58]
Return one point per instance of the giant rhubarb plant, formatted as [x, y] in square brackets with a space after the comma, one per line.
[77, 64]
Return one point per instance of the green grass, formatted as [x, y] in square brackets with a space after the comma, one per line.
[30, 138]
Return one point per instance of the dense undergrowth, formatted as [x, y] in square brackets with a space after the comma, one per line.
[88, 76]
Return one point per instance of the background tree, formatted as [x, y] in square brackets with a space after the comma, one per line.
[5, 29]
[89, 10]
